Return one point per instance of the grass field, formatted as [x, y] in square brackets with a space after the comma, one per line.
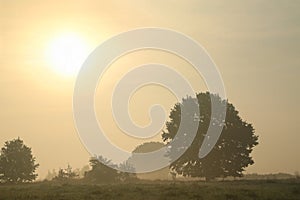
[228, 190]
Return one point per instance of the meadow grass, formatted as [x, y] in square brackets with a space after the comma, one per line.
[222, 190]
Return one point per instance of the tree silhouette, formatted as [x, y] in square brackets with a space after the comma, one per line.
[66, 174]
[17, 163]
[102, 171]
[229, 156]
[127, 172]
[146, 148]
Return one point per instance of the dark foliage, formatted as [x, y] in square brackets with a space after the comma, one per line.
[230, 155]
[104, 171]
[66, 174]
[17, 164]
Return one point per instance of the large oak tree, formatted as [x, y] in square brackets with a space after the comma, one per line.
[231, 154]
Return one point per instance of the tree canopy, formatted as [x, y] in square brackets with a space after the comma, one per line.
[231, 154]
[146, 148]
[66, 174]
[17, 163]
[104, 171]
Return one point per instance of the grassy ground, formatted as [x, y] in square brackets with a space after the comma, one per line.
[230, 190]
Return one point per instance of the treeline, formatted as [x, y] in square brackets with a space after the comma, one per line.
[255, 176]
[100, 170]
[17, 165]
[228, 157]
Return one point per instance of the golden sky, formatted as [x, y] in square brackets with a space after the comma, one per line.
[255, 44]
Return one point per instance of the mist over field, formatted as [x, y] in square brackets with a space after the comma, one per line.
[153, 99]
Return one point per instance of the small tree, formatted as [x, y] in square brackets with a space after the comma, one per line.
[149, 147]
[17, 164]
[129, 175]
[66, 174]
[101, 173]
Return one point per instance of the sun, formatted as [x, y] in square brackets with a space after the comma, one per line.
[66, 53]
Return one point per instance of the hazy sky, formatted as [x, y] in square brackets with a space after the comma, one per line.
[255, 44]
